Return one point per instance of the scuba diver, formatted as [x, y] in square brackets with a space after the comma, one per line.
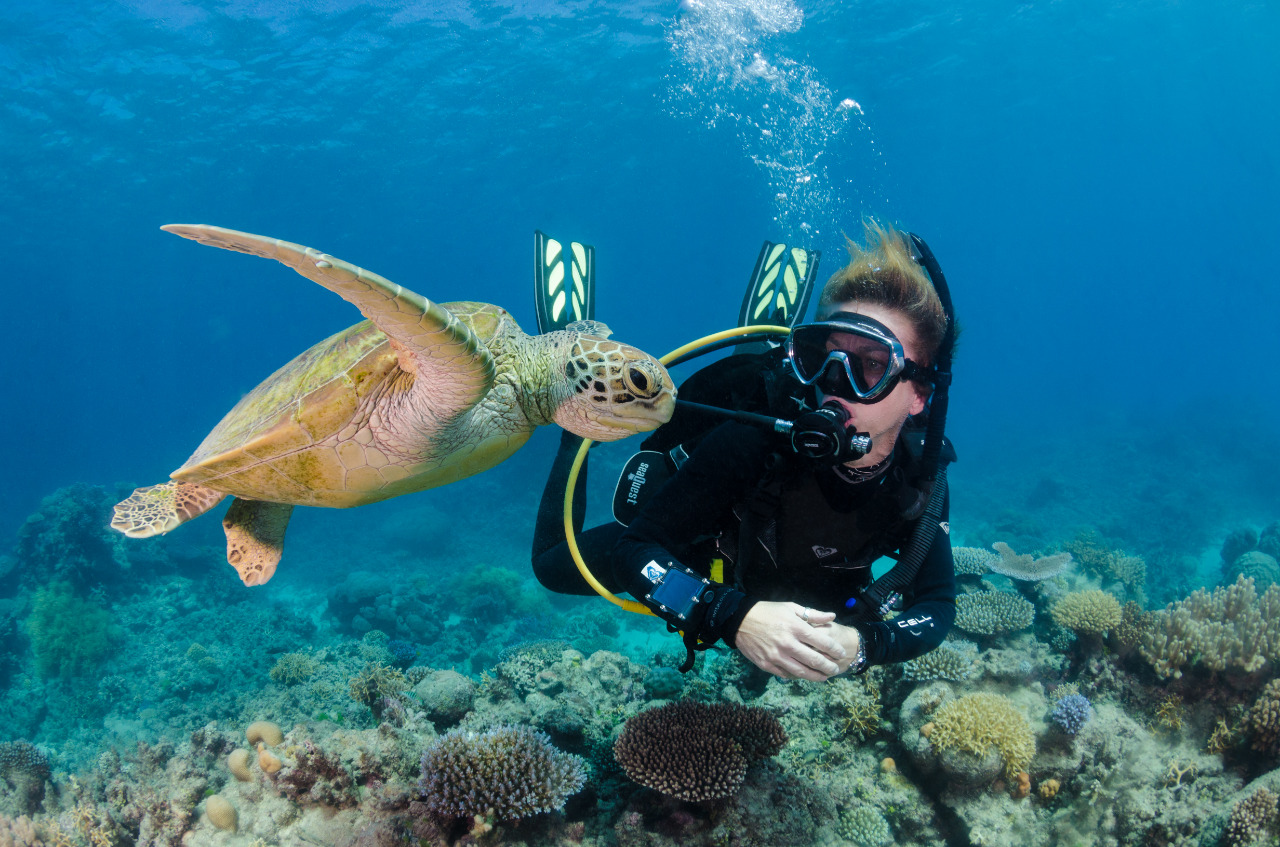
[764, 541]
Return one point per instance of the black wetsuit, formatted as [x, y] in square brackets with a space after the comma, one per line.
[815, 548]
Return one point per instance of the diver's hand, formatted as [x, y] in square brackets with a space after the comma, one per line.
[848, 638]
[791, 641]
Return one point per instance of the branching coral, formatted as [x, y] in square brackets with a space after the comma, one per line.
[510, 772]
[1251, 818]
[696, 751]
[1230, 627]
[1262, 723]
[975, 723]
[972, 561]
[1095, 557]
[1088, 611]
[993, 612]
[953, 660]
[292, 668]
[858, 705]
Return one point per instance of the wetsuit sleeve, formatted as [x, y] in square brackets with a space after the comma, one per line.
[695, 503]
[930, 612]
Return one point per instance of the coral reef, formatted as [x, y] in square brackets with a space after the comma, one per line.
[508, 772]
[696, 751]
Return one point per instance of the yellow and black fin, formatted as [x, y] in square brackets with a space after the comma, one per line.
[564, 282]
[779, 289]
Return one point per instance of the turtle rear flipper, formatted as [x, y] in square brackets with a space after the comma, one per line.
[255, 538]
[157, 509]
[444, 350]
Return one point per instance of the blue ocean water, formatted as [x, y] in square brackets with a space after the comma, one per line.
[1098, 180]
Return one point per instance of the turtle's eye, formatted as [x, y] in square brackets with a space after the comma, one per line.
[637, 381]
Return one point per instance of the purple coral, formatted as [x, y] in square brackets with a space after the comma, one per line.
[509, 772]
[1072, 713]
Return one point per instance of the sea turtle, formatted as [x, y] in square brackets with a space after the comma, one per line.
[419, 395]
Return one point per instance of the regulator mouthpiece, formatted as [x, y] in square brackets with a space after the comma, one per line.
[823, 435]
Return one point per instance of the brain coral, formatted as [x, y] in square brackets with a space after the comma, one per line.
[992, 612]
[510, 772]
[696, 751]
[1088, 611]
[975, 723]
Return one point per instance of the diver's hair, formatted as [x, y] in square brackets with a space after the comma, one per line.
[884, 273]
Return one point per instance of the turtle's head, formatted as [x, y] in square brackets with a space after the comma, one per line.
[612, 390]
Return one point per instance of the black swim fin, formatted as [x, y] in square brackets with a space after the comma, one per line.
[564, 282]
[778, 291]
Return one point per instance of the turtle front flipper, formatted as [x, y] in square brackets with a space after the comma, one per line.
[157, 509]
[255, 538]
[443, 349]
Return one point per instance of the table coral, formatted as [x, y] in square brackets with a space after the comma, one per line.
[1027, 568]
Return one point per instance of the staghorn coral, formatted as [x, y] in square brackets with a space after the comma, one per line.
[696, 751]
[1262, 723]
[975, 723]
[1230, 627]
[858, 705]
[1251, 818]
[993, 612]
[953, 660]
[1027, 568]
[509, 772]
[1088, 611]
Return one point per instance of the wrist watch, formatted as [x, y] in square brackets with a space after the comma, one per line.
[859, 664]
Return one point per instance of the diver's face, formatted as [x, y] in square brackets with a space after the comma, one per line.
[883, 419]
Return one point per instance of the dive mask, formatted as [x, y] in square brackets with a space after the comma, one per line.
[851, 356]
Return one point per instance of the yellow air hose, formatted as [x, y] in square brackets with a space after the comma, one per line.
[569, 535]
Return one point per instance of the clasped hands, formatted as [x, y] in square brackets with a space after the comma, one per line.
[795, 642]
